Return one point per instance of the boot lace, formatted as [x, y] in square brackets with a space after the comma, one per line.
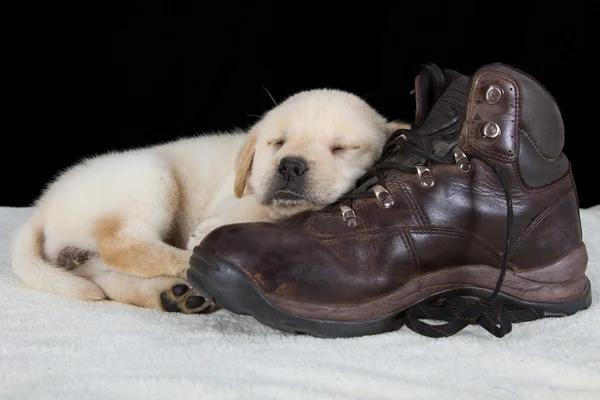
[458, 312]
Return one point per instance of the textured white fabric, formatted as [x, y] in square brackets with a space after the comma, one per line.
[57, 348]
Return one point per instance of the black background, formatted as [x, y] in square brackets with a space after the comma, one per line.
[138, 73]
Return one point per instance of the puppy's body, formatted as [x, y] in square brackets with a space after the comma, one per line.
[121, 225]
[122, 209]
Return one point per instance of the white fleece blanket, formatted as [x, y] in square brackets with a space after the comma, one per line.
[57, 348]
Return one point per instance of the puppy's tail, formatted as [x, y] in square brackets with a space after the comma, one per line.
[33, 270]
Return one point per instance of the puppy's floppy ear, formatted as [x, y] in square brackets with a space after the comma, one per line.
[243, 164]
[393, 126]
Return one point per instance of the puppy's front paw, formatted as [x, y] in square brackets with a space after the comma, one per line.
[185, 299]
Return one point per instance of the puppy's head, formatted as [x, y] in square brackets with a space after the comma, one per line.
[309, 150]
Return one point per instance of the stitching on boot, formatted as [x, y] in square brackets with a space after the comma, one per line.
[537, 148]
[414, 255]
[550, 187]
[450, 232]
[421, 218]
[538, 220]
[471, 110]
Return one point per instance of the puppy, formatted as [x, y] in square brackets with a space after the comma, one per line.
[121, 226]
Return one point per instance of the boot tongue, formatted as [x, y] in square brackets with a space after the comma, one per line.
[440, 130]
[437, 129]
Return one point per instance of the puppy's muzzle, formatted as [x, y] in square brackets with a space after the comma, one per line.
[292, 168]
[290, 179]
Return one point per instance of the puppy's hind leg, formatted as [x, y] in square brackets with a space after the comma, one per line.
[133, 248]
[130, 234]
[164, 293]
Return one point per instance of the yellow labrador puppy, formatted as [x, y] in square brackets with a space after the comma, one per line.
[121, 226]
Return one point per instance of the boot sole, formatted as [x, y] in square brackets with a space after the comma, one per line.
[228, 287]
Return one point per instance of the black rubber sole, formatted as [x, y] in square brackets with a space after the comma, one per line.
[230, 289]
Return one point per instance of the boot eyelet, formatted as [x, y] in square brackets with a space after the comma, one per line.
[425, 176]
[490, 130]
[462, 162]
[494, 94]
[349, 216]
[384, 198]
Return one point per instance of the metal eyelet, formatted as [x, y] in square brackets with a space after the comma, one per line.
[490, 130]
[494, 94]
[425, 176]
[462, 162]
[384, 198]
[349, 216]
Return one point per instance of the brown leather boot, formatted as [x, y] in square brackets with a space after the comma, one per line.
[470, 217]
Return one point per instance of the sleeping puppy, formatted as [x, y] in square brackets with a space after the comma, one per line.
[121, 226]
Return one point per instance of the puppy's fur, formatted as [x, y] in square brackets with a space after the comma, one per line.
[122, 225]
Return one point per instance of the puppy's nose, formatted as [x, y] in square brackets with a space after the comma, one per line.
[292, 167]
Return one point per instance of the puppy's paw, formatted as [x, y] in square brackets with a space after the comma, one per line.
[183, 298]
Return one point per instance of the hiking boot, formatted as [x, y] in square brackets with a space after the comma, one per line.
[471, 217]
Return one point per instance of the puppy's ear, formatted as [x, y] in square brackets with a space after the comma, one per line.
[393, 126]
[243, 164]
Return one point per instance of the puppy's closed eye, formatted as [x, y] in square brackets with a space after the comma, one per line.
[276, 144]
[340, 149]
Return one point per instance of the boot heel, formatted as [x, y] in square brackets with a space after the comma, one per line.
[558, 289]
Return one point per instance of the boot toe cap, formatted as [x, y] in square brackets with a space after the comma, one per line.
[276, 258]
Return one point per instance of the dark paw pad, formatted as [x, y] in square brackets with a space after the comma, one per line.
[168, 304]
[195, 302]
[185, 299]
[180, 290]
